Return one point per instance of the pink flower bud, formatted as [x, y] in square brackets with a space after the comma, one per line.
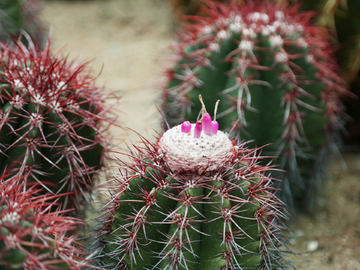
[197, 129]
[206, 121]
[186, 127]
[215, 127]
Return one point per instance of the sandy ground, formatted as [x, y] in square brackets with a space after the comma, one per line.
[125, 39]
[331, 239]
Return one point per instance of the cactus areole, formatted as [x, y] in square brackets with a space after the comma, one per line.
[193, 200]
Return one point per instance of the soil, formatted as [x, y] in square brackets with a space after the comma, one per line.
[126, 42]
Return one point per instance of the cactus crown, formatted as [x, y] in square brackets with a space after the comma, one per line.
[197, 146]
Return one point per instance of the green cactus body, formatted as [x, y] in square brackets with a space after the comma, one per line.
[343, 21]
[17, 16]
[194, 200]
[341, 17]
[33, 237]
[274, 72]
[53, 121]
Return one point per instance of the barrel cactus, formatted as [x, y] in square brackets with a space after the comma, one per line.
[20, 15]
[52, 121]
[278, 83]
[195, 199]
[33, 237]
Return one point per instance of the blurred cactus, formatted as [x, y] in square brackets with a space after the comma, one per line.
[275, 72]
[52, 121]
[31, 236]
[342, 18]
[184, 7]
[18, 15]
[188, 7]
[193, 200]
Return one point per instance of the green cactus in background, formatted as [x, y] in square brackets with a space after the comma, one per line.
[272, 70]
[31, 236]
[18, 15]
[193, 200]
[342, 18]
[53, 121]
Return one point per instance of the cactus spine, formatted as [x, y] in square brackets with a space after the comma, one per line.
[31, 236]
[273, 71]
[52, 121]
[193, 200]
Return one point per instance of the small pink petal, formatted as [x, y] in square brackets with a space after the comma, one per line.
[186, 127]
[206, 121]
[197, 129]
[215, 127]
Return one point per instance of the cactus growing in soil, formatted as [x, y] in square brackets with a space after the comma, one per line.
[52, 121]
[32, 236]
[193, 200]
[273, 71]
[17, 16]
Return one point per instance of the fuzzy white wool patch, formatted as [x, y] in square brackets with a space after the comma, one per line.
[184, 152]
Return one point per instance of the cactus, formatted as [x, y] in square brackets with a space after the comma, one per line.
[33, 237]
[193, 200]
[273, 71]
[18, 15]
[52, 121]
[342, 18]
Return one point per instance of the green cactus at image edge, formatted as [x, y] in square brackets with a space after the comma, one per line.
[33, 237]
[53, 121]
